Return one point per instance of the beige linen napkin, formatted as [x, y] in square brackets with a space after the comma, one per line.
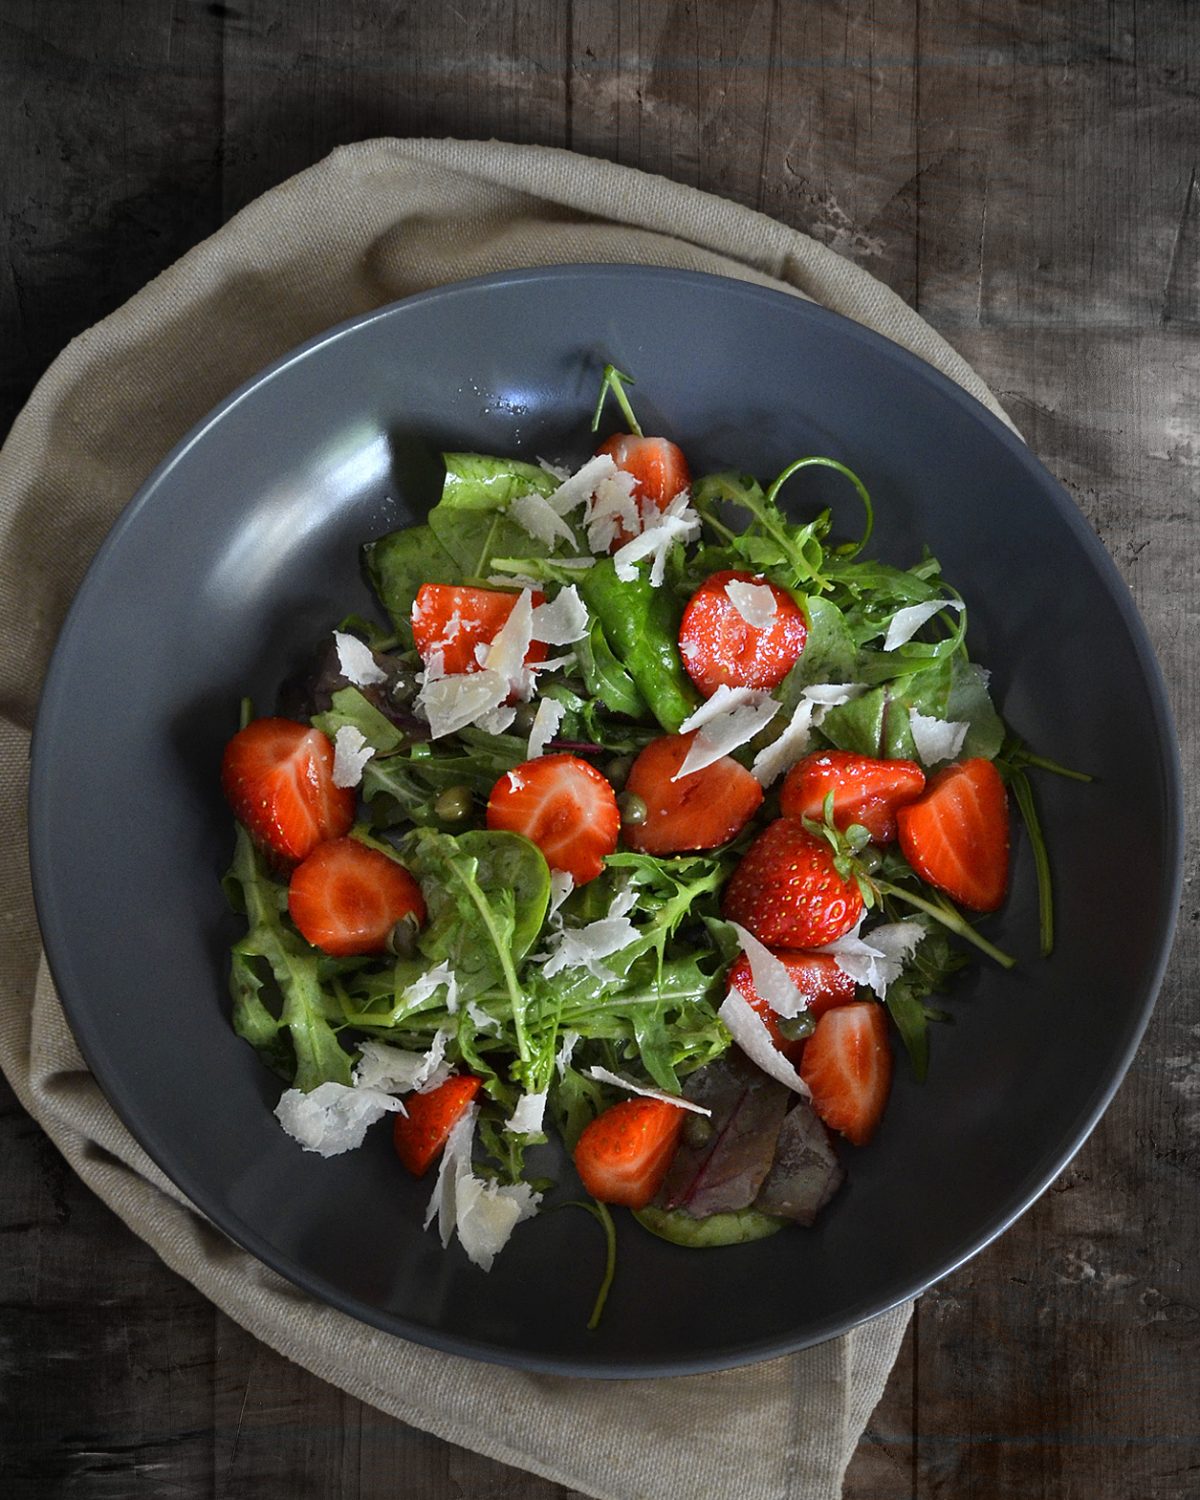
[371, 223]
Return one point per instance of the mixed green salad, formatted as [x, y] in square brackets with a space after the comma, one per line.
[650, 819]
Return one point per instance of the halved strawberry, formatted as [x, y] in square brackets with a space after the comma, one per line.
[345, 897]
[420, 1135]
[815, 975]
[720, 647]
[277, 776]
[657, 465]
[787, 892]
[847, 1065]
[955, 836]
[699, 811]
[453, 619]
[565, 806]
[623, 1155]
[865, 790]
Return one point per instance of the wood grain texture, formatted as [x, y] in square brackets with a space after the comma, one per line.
[1026, 175]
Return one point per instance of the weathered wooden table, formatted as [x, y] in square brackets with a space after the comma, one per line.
[1025, 175]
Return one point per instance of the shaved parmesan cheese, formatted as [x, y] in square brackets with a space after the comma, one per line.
[556, 471]
[430, 982]
[730, 718]
[584, 947]
[350, 754]
[332, 1118]
[480, 1018]
[906, 622]
[602, 1075]
[755, 602]
[545, 726]
[563, 620]
[451, 703]
[562, 883]
[771, 978]
[878, 958]
[498, 720]
[582, 484]
[483, 1214]
[537, 516]
[746, 1027]
[391, 1070]
[505, 656]
[357, 661]
[661, 529]
[612, 510]
[783, 753]
[936, 739]
[562, 1059]
[526, 1119]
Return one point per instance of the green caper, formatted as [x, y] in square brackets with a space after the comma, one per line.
[402, 940]
[633, 809]
[401, 686]
[617, 770]
[522, 724]
[697, 1131]
[454, 805]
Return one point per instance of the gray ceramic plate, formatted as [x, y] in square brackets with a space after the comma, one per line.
[242, 550]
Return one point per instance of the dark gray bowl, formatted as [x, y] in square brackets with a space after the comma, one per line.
[243, 548]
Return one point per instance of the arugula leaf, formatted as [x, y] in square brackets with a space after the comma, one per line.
[348, 707]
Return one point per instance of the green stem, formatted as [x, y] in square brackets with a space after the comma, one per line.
[612, 381]
[600, 1213]
[1023, 793]
[949, 918]
[1027, 758]
[853, 548]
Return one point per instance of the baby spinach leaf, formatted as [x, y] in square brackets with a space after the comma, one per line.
[477, 481]
[605, 677]
[399, 563]
[969, 701]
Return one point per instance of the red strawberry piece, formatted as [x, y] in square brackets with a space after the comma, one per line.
[787, 891]
[699, 811]
[658, 466]
[623, 1155]
[847, 1065]
[277, 776]
[720, 647]
[565, 806]
[453, 620]
[345, 898]
[420, 1135]
[955, 836]
[865, 790]
[815, 975]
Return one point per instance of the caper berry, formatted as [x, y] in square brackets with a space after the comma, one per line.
[522, 724]
[697, 1131]
[454, 804]
[402, 940]
[617, 770]
[401, 685]
[633, 809]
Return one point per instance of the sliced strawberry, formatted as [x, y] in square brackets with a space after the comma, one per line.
[453, 619]
[420, 1135]
[787, 892]
[955, 836]
[623, 1155]
[815, 975]
[565, 806]
[658, 466]
[865, 790]
[277, 776]
[720, 647]
[699, 811]
[345, 898]
[847, 1064]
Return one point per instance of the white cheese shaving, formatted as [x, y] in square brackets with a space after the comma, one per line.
[936, 739]
[427, 984]
[483, 1214]
[755, 602]
[497, 720]
[526, 1119]
[534, 514]
[878, 958]
[505, 656]
[555, 471]
[612, 510]
[451, 702]
[905, 623]
[661, 529]
[602, 1075]
[350, 754]
[731, 717]
[562, 883]
[582, 484]
[562, 1058]
[746, 1027]
[332, 1118]
[783, 753]
[563, 620]
[480, 1018]
[391, 1070]
[771, 978]
[545, 726]
[357, 661]
[584, 947]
